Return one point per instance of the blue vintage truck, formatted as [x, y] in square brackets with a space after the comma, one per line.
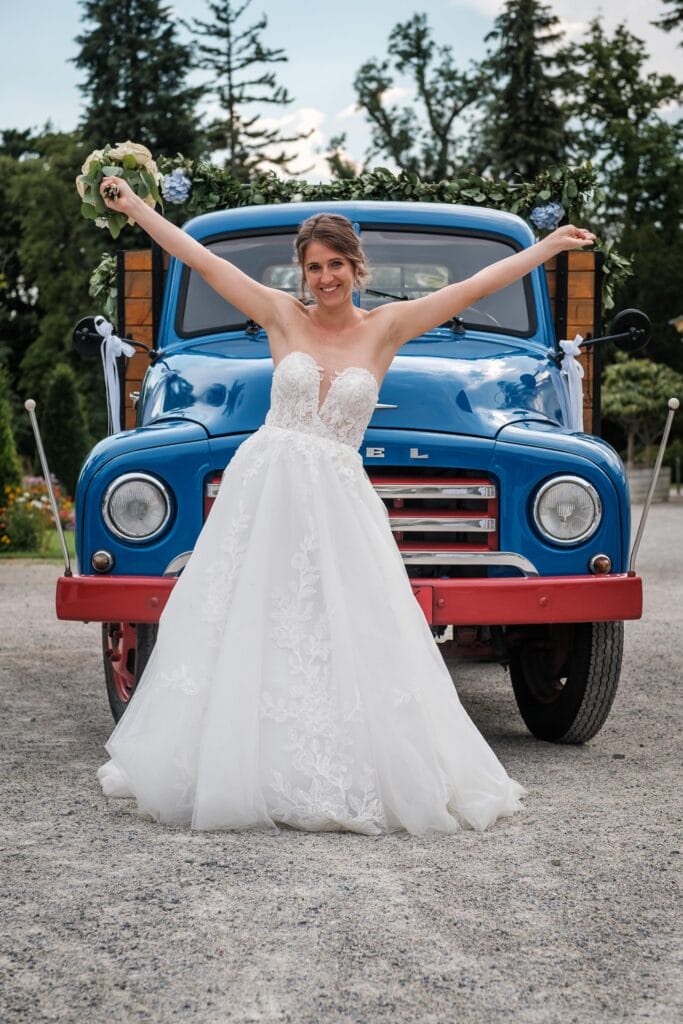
[513, 525]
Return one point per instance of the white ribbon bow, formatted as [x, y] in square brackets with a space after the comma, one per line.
[572, 374]
[111, 348]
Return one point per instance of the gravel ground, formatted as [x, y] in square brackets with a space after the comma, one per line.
[565, 913]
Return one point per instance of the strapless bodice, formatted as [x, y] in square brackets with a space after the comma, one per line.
[344, 413]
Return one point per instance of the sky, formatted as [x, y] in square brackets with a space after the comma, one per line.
[325, 44]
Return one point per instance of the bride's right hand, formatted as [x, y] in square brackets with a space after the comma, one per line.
[126, 197]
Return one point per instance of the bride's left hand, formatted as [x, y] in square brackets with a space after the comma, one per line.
[570, 237]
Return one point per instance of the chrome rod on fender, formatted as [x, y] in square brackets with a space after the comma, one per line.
[30, 407]
[673, 404]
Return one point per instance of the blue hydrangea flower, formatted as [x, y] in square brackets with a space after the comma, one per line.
[548, 216]
[175, 187]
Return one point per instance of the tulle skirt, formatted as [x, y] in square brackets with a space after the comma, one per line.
[295, 680]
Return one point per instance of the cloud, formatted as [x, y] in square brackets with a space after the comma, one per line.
[352, 110]
[491, 8]
[307, 154]
[575, 15]
[573, 28]
[396, 92]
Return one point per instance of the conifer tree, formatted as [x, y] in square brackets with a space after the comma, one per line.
[135, 78]
[56, 249]
[239, 63]
[673, 18]
[10, 468]
[523, 129]
[620, 108]
[64, 426]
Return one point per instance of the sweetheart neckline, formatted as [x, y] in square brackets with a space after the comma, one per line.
[338, 374]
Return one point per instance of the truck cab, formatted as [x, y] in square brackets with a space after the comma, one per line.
[512, 521]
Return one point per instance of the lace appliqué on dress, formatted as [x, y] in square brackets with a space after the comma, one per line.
[345, 411]
[318, 737]
[222, 574]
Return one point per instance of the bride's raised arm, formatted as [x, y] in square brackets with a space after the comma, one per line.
[408, 320]
[258, 302]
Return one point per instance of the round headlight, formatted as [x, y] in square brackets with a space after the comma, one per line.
[136, 507]
[567, 510]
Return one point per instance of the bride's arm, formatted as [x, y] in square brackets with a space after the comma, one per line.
[406, 320]
[255, 300]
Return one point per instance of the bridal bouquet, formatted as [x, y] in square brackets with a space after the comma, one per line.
[127, 160]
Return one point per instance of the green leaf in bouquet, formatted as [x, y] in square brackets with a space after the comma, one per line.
[93, 170]
[111, 171]
[90, 197]
[116, 223]
[129, 162]
[88, 211]
[151, 185]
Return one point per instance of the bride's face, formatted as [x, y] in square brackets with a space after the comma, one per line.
[329, 275]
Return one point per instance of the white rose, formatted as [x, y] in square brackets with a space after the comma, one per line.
[141, 153]
[96, 154]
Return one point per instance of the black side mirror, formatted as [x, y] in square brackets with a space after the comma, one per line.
[633, 329]
[630, 331]
[88, 340]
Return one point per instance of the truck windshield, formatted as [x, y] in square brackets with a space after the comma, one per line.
[402, 263]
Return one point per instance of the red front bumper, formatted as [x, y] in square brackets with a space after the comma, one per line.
[480, 602]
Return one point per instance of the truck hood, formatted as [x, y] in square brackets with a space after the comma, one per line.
[467, 386]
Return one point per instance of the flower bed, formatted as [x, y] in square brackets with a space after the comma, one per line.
[26, 515]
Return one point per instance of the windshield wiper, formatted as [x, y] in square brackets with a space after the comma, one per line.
[386, 295]
[455, 324]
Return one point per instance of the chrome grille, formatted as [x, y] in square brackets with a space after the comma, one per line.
[438, 517]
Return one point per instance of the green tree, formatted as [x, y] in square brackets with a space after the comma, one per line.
[135, 77]
[626, 131]
[241, 77]
[18, 315]
[56, 250]
[421, 138]
[523, 124]
[634, 396]
[655, 287]
[10, 467]
[341, 167]
[64, 426]
[673, 18]
[619, 108]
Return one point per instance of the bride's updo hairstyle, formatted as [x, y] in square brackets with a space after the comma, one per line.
[337, 232]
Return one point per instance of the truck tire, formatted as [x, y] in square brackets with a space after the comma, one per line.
[126, 647]
[565, 678]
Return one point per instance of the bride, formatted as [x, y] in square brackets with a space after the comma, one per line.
[295, 680]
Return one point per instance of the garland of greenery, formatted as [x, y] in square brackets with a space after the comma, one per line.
[573, 188]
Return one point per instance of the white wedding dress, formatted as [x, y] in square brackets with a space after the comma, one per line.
[295, 680]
